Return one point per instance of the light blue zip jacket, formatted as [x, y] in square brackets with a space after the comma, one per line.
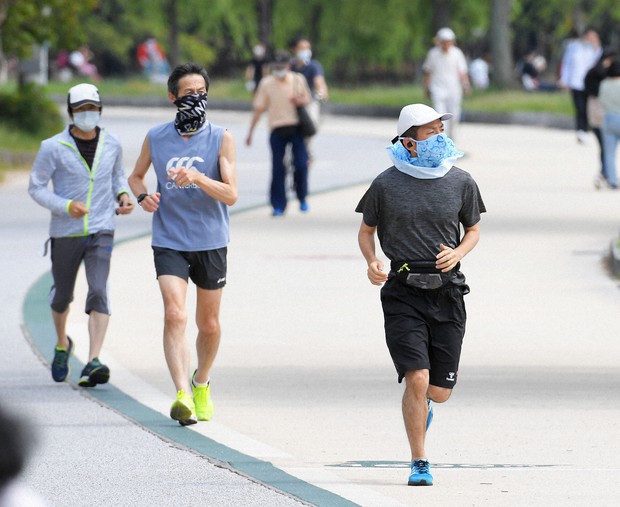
[59, 160]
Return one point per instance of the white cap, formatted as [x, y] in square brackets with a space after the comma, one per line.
[446, 34]
[415, 115]
[83, 94]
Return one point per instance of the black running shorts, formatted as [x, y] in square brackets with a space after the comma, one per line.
[207, 269]
[424, 329]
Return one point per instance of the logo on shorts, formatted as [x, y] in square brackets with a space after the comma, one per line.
[451, 377]
[220, 280]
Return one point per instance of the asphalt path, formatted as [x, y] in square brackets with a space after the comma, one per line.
[303, 382]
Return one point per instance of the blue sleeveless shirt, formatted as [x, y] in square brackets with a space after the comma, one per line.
[188, 219]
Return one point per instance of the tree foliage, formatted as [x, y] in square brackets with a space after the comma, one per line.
[355, 40]
[29, 22]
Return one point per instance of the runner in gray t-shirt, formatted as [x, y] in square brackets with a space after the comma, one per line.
[417, 208]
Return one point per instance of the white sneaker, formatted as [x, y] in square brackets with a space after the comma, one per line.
[599, 181]
[582, 137]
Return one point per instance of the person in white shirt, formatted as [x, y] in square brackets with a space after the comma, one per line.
[446, 77]
[580, 56]
[479, 71]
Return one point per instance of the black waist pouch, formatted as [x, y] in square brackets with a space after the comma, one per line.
[421, 274]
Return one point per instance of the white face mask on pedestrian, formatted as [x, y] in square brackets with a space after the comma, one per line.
[86, 120]
[304, 55]
[280, 73]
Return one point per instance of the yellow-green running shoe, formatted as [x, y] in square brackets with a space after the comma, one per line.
[202, 401]
[183, 409]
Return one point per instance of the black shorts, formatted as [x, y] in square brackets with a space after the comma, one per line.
[424, 329]
[207, 269]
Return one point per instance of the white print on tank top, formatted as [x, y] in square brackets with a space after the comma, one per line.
[178, 163]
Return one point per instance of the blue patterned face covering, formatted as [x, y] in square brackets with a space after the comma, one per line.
[436, 156]
[434, 150]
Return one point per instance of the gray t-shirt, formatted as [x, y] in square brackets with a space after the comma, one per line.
[414, 216]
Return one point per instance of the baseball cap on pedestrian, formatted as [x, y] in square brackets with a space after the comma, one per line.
[83, 94]
[416, 115]
[445, 34]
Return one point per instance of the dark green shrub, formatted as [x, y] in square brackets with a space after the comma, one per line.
[31, 111]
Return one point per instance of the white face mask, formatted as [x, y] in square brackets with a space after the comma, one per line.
[304, 55]
[86, 120]
[280, 74]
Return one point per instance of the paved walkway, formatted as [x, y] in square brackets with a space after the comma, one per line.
[306, 398]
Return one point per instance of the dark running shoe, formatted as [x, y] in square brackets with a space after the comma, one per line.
[94, 373]
[420, 473]
[60, 364]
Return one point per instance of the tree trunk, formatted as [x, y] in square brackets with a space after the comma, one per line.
[500, 40]
[441, 14]
[174, 33]
[265, 21]
[4, 64]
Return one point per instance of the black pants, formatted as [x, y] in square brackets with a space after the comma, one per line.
[599, 137]
[580, 100]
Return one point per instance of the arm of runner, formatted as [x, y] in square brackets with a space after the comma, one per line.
[448, 257]
[136, 179]
[366, 241]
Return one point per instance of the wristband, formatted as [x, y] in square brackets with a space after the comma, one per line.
[141, 198]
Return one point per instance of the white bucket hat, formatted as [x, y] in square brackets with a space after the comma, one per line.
[415, 115]
[445, 34]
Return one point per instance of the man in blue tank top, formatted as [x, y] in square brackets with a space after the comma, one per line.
[194, 162]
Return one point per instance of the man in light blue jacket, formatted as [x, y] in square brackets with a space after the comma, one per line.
[84, 165]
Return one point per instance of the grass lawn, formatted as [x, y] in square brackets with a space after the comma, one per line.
[496, 101]
[375, 95]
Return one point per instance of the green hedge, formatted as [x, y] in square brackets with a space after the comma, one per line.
[30, 111]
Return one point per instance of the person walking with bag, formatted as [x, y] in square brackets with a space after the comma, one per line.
[280, 94]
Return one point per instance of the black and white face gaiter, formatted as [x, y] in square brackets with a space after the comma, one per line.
[191, 114]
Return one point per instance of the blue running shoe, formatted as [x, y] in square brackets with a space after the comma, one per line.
[420, 473]
[277, 212]
[60, 364]
[429, 418]
[303, 207]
